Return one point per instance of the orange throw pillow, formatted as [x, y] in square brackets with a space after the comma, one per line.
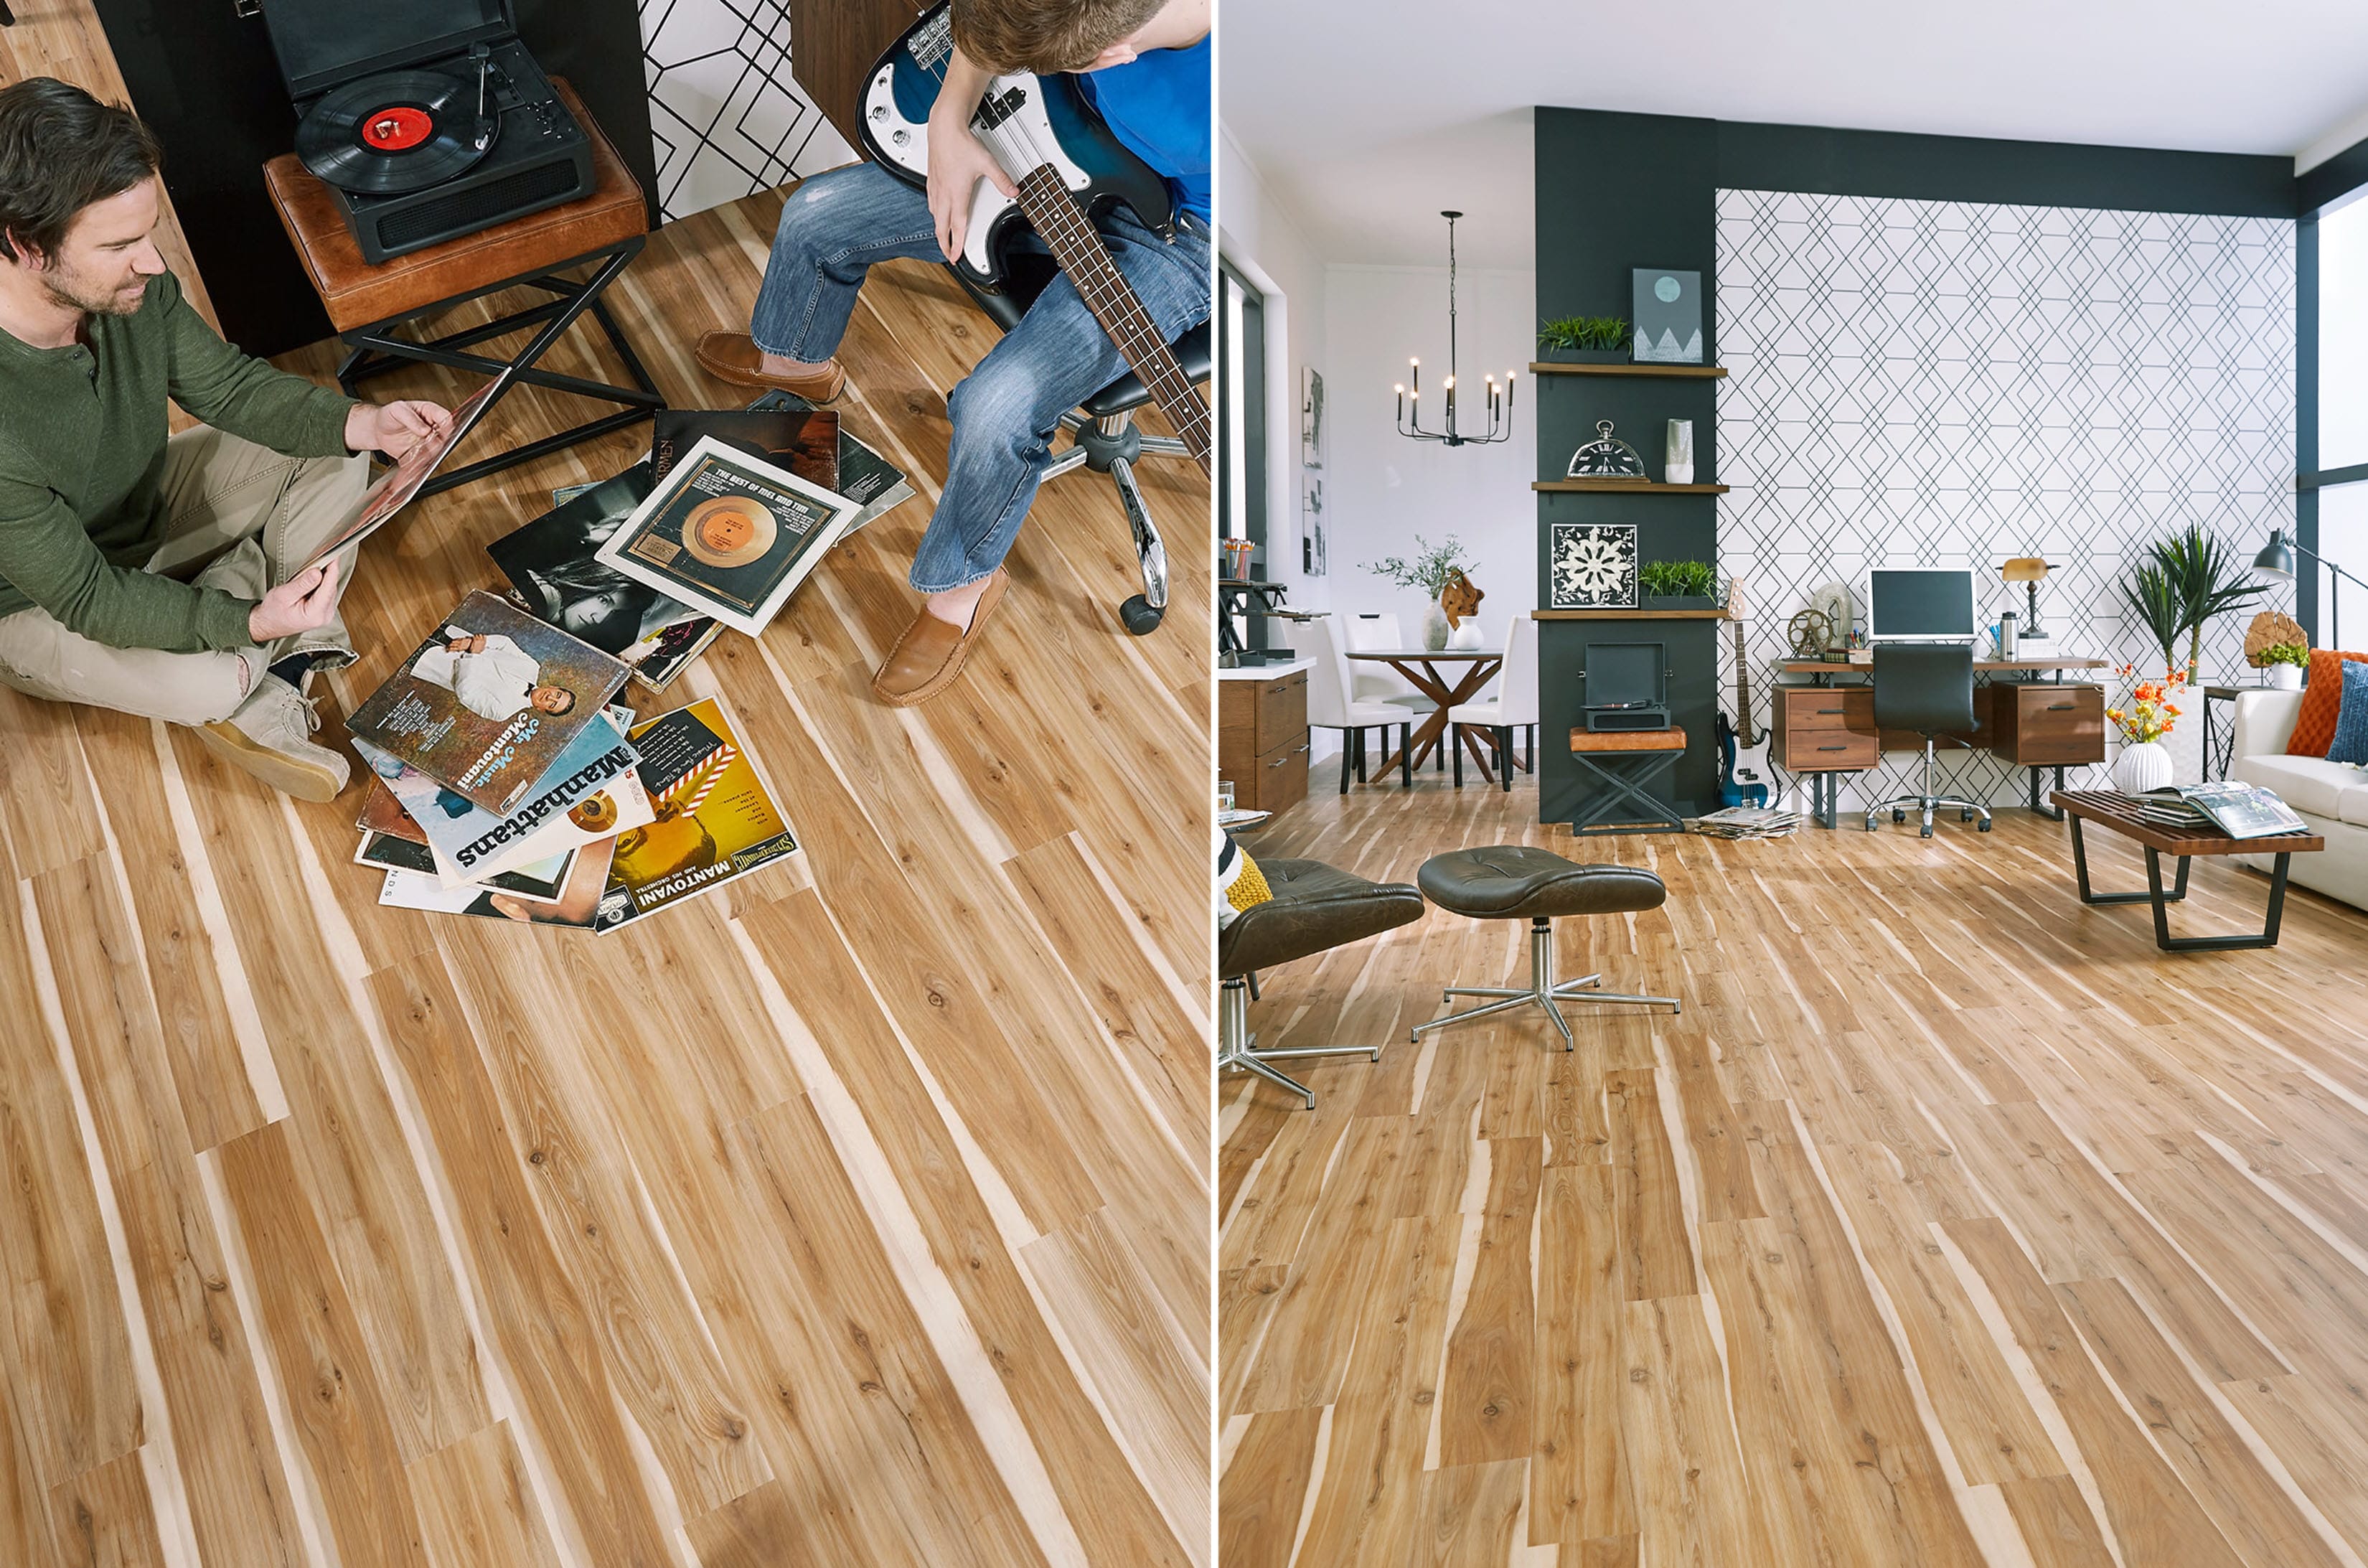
[2322, 700]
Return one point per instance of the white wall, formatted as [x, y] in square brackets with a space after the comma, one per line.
[1384, 488]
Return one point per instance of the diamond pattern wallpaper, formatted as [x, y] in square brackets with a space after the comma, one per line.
[727, 120]
[1927, 383]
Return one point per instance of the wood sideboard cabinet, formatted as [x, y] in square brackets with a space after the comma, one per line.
[1262, 739]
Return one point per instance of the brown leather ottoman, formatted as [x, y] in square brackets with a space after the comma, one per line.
[366, 303]
[1517, 881]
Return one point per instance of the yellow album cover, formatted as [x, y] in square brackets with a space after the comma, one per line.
[716, 818]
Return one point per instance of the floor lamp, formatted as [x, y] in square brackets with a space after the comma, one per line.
[2277, 560]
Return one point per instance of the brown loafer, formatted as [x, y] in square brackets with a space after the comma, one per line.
[733, 356]
[929, 655]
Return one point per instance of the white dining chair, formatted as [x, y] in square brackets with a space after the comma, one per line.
[1378, 631]
[1513, 704]
[1330, 706]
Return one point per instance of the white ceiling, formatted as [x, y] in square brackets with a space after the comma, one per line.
[1366, 117]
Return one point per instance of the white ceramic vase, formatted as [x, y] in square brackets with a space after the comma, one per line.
[2140, 768]
[1466, 636]
[2285, 678]
[1434, 626]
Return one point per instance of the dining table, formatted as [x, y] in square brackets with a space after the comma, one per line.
[1428, 670]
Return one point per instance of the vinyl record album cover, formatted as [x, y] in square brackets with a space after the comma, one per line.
[729, 535]
[578, 900]
[864, 476]
[804, 441]
[487, 704]
[396, 487]
[716, 819]
[554, 567]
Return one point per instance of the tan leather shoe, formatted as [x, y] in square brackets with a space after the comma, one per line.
[270, 736]
[929, 655]
[733, 356]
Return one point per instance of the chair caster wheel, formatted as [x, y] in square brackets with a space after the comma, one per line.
[1965, 816]
[1985, 825]
[1139, 615]
[1899, 816]
[1924, 832]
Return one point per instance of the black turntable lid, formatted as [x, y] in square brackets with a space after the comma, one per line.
[321, 43]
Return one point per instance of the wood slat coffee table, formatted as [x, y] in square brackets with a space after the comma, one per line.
[2111, 809]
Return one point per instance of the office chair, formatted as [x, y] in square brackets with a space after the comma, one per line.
[1102, 431]
[1926, 687]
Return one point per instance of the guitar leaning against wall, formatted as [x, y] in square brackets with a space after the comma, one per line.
[1743, 773]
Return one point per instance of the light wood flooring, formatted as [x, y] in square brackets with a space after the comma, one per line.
[1951, 1223]
[856, 1215]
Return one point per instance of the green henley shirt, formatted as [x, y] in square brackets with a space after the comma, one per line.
[81, 463]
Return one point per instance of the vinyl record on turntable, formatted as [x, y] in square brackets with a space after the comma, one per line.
[398, 130]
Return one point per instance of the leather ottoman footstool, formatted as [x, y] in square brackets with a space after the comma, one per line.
[1517, 881]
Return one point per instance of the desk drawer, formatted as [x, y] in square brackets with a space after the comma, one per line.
[1277, 780]
[1819, 751]
[1830, 708]
[1281, 710]
[2044, 722]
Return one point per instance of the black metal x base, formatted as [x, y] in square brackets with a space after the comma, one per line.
[2162, 901]
[1631, 773]
[377, 349]
[2052, 814]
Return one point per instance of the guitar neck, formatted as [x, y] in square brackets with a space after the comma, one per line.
[1742, 691]
[1065, 229]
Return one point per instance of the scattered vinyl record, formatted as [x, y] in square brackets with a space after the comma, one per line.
[729, 531]
[397, 132]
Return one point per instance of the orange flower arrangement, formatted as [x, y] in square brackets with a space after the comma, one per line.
[2151, 712]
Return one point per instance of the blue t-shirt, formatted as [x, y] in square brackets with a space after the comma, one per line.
[1157, 104]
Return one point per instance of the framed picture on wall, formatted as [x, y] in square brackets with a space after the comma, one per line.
[1312, 543]
[1668, 317]
[1311, 418]
[1592, 566]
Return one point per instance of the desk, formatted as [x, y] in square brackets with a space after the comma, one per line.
[1419, 666]
[1822, 731]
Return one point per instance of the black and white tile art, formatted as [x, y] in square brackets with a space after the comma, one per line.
[1921, 384]
[727, 118]
[1593, 566]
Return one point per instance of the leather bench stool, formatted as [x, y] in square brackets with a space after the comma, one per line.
[1515, 881]
[1315, 907]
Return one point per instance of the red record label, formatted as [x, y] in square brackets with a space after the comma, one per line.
[396, 130]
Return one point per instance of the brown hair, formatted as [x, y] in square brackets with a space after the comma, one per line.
[60, 151]
[1044, 35]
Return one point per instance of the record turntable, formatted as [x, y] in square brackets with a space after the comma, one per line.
[426, 119]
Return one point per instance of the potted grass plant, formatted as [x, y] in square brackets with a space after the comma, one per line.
[1584, 340]
[1678, 584]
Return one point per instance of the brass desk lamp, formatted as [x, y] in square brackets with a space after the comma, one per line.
[2030, 571]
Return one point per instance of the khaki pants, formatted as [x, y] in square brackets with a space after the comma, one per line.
[239, 517]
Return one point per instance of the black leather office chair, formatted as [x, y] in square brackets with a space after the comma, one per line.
[1926, 687]
[1102, 430]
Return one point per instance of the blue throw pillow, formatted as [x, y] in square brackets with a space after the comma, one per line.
[2350, 741]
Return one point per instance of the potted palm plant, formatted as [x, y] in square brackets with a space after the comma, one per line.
[2185, 582]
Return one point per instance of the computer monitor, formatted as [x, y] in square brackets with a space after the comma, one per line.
[1920, 605]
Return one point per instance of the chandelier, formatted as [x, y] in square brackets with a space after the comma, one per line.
[1499, 399]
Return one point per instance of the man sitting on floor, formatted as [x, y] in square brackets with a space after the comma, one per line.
[1145, 66]
[158, 576]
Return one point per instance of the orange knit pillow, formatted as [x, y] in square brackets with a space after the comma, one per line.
[2322, 699]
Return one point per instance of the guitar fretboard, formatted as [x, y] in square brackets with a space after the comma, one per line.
[1065, 229]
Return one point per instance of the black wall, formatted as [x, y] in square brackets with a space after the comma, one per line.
[1618, 191]
[204, 77]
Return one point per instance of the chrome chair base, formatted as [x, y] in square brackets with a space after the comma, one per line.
[1238, 1048]
[1112, 445]
[1543, 990]
[1928, 802]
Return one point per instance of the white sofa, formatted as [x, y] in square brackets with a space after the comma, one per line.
[2331, 796]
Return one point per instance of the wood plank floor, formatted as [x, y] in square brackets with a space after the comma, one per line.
[1950, 1223]
[857, 1215]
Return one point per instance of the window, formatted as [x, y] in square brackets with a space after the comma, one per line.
[2333, 520]
[1241, 428]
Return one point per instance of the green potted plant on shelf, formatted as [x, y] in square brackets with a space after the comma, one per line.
[1678, 584]
[1584, 340]
[1429, 570]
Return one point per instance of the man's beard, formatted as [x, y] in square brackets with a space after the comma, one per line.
[74, 291]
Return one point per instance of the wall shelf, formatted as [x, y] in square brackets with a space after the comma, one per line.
[1628, 615]
[1692, 372]
[1627, 487]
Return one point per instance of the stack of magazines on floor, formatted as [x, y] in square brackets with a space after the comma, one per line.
[1747, 822]
[508, 783]
[2233, 807]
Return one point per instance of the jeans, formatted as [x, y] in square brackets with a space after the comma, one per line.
[1007, 410]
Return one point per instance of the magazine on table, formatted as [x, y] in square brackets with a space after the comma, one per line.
[591, 792]
[396, 487]
[729, 535]
[716, 818]
[802, 440]
[578, 900]
[555, 572]
[488, 703]
[864, 476]
[539, 880]
[2235, 808]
